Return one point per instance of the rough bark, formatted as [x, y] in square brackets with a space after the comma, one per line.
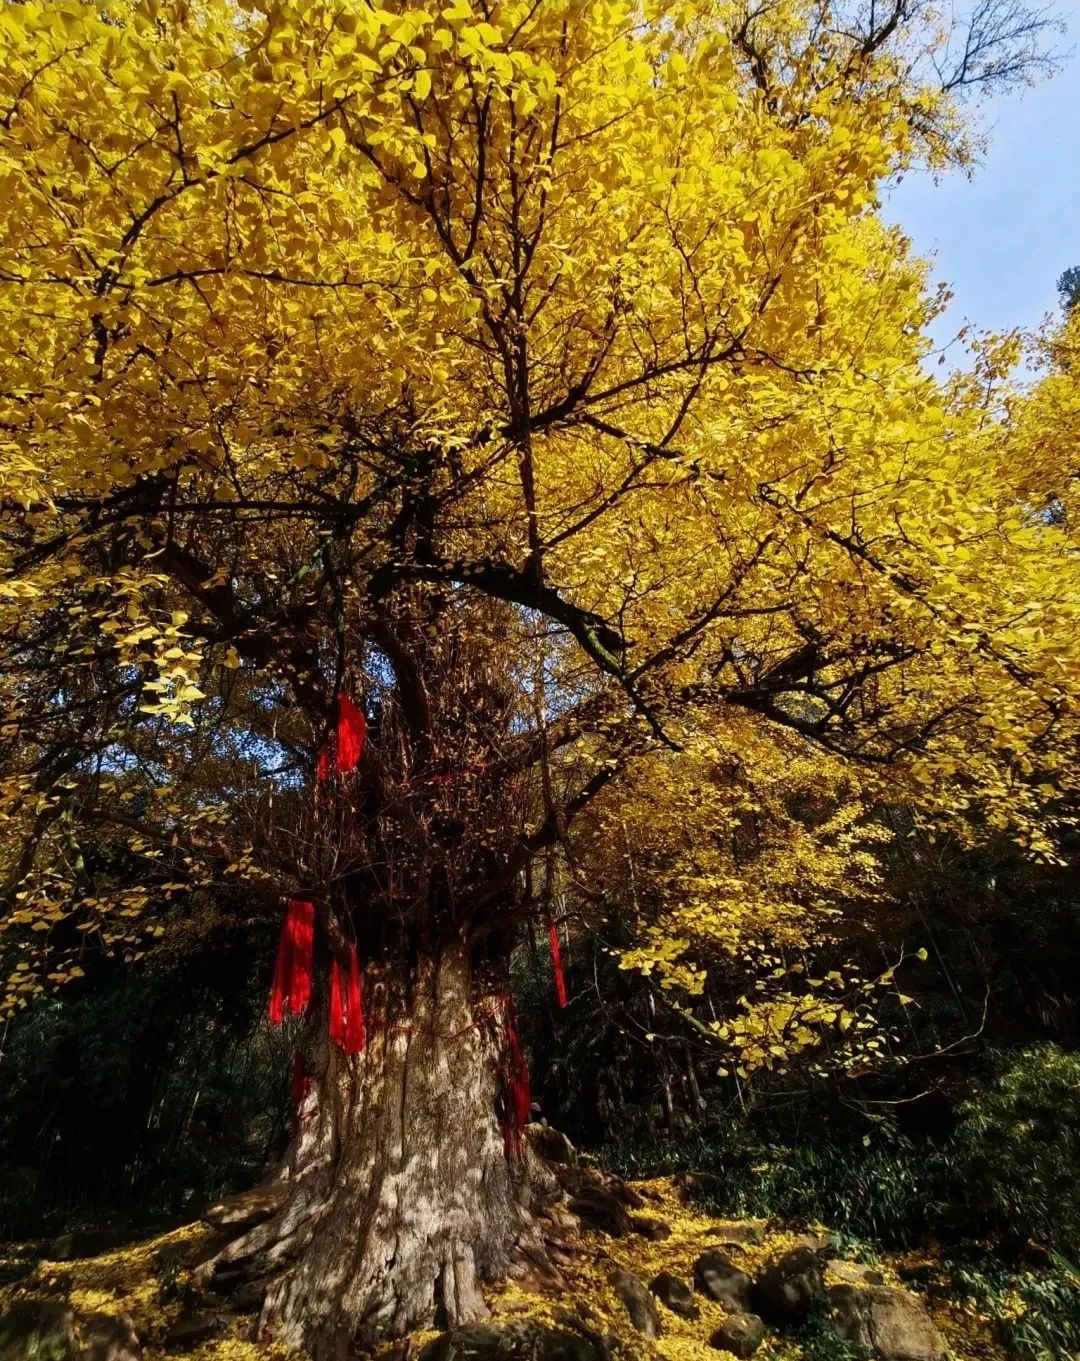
[404, 1196]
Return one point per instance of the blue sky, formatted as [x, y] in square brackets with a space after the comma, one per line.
[1001, 238]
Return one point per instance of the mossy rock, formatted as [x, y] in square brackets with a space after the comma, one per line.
[38, 1330]
[516, 1342]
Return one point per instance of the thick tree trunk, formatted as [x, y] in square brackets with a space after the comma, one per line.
[405, 1191]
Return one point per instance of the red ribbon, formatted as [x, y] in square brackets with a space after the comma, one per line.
[556, 962]
[291, 989]
[347, 1028]
[322, 765]
[342, 753]
[351, 732]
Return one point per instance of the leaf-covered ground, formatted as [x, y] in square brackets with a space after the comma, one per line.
[140, 1280]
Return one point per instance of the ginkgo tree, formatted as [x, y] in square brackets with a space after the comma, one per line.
[743, 861]
[411, 416]
[1045, 427]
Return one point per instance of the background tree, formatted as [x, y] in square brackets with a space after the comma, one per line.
[1068, 287]
[539, 377]
[1046, 425]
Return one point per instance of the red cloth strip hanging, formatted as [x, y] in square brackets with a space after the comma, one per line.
[302, 915]
[351, 732]
[355, 1032]
[322, 765]
[337, 1006]
[556, 962]
[342, 752]
[347, 1028]
[291, 988]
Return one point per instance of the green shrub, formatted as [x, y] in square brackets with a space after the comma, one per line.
[817, 1340]
[1014, 1160]
[1010, 1169]
[1037, 1313]
[863, 1192]
[145, 1096]
[1049, 1326]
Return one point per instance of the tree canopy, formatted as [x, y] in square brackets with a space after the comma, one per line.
[545, 379]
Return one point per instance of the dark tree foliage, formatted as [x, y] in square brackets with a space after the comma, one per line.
[1068, 287]
[146, 1093]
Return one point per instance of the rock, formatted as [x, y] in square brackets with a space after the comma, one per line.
[550, 1144]
[89, 1243]
[109, 1337]
[470, 1340]
[191, 1330]
[601, 1209]
[579, 1325]
[38, 1330]
[516, 1342]
[740, 1334]
[673, 1292]
[639, 1303]
[893, 1324]
[248, 1208]
[649, 1194]
[62, 1249]
[48, 1330]
[789, 1287]
[577, 1181]
[583, 1182]
[853, 1273]
[718, 1277]
[816, 1242]
[15, 1268]
[694, 1186]
[632, 1199]
[736, 1232]
[655, 1230]
[1037, 1255]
